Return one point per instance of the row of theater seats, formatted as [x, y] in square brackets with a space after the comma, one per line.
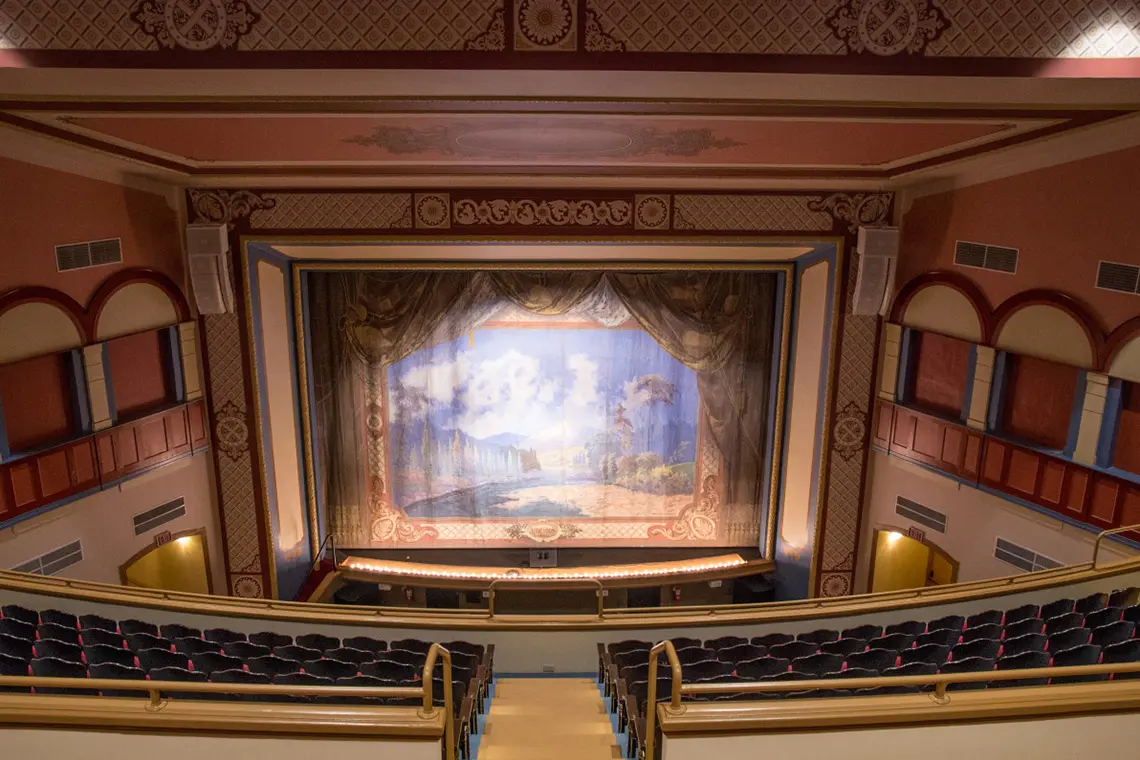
[1100, 628]
[50, 643]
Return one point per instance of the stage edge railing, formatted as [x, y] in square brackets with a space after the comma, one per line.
[158, 702]
[600, 590]
[939, 696]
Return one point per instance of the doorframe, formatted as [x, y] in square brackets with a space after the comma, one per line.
[934, 548]
[174, 537]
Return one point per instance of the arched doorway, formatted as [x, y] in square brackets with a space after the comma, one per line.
[901, 562]
[181, 564]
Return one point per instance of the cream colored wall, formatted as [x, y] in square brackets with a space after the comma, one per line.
[810, 336]
[1098, 736]
[134, 308]
[1126, 363]
[103, 521]
[1047, 333]
[974, 521]
[277, 348]
[941, 309]
[31, 742]
[34, 329]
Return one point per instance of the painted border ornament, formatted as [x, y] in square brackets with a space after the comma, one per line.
[557, 213]
[888, 27]
[195, 24]
[858, 210]
[226, 206]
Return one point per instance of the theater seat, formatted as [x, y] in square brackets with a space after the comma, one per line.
[178, 674]
[912, 669]
[1024, 612]
[270, 639]
[873, 659]
[944, 637]
[137, 641]
[844, 646]
[211, 662]
[13, 666]
[1087, 654]
[174, 631]
[271, 665]
[1063, 622]
[1104, 617]
[741, 653]
[118, 672]
[1023, 661]
[1091, 603]
[127, 627]
[359, 656]
[755, 670]
[911, 628]
[819, 636]
[240, 676]
[60, 650]
[66, 619]
[864, 632]
[1125, 651]
[387, 669]
[1067, 639]
[223, 636]
[793, 650]
[10, 646]
[17, 629]
[932, 654]
[1057, 607]
[334, 669]
[317, 641]
[1113, 633]
[770, 640]
[989, 617]
[1024, 627]
[376, 646]
[957, 622]
[57, 633]
[967, 665]
[892, 642]
[21, 614]
[53, 667]
[98, 621]
[153, 659]
[724, 642]
[818, 664]
[1030, 642]
[986, 649]
[298, 653]
[194, 647]
[92, 636]
[246, 650]
[97, 654]
[1122, 597]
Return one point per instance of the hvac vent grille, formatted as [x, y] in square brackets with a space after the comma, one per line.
[1022, 558]
[1124, 278]
[54, 561]
[163, 513]
[915, 512]
[996, 258]
[94, 253]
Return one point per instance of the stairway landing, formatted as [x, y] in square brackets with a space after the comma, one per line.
[549, 718]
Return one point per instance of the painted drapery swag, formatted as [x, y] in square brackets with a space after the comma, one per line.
[498, 408]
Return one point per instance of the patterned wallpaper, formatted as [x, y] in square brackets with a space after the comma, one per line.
[1026, 29]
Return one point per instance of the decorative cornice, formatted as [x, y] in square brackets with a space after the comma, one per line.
[225, 206]
[857, 210]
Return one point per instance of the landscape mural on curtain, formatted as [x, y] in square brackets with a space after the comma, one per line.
[490, 409]
[543, 423]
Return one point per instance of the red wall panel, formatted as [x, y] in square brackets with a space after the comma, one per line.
[1039, 397]
[36, 397]
[1126, 455]
[138, 373]
[940, 367]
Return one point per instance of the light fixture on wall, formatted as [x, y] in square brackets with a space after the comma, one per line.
[894, 536]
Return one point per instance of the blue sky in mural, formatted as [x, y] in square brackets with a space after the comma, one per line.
[460, 412]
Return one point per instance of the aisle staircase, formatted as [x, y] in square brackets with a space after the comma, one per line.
[548, 718]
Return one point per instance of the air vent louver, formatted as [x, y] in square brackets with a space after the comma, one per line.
[54, 561]
[915, 512]
[163, 513]
[996, 258]
[1022, 558]
[1124, 278]
[94, 253]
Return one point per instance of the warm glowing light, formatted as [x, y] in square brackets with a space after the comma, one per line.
[893, 536]
[663, 569]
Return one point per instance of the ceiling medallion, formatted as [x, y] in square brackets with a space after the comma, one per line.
[196, 24]
[888, 27]
[545, 23]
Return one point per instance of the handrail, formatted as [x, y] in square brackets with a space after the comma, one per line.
[675, 697]
[328, 539]
[559, 583]
[1105, 534]
[939, 696]
[157, 702]
[434, 652]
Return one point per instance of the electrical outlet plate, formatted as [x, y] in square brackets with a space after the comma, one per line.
[547, 668]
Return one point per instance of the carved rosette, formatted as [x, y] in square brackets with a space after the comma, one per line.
[195, 24]
[888, 27]
[226, 206]
[859, 209]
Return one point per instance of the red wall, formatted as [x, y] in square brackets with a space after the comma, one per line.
[36, 397]
[1039, 398]
[138, 373]
[1064, 219]
[940, 367]
[1126, 455]
[43, 208]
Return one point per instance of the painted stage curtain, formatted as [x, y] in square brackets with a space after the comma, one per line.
[463, 408]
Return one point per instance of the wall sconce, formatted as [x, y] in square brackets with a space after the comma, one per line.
[676, 593]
